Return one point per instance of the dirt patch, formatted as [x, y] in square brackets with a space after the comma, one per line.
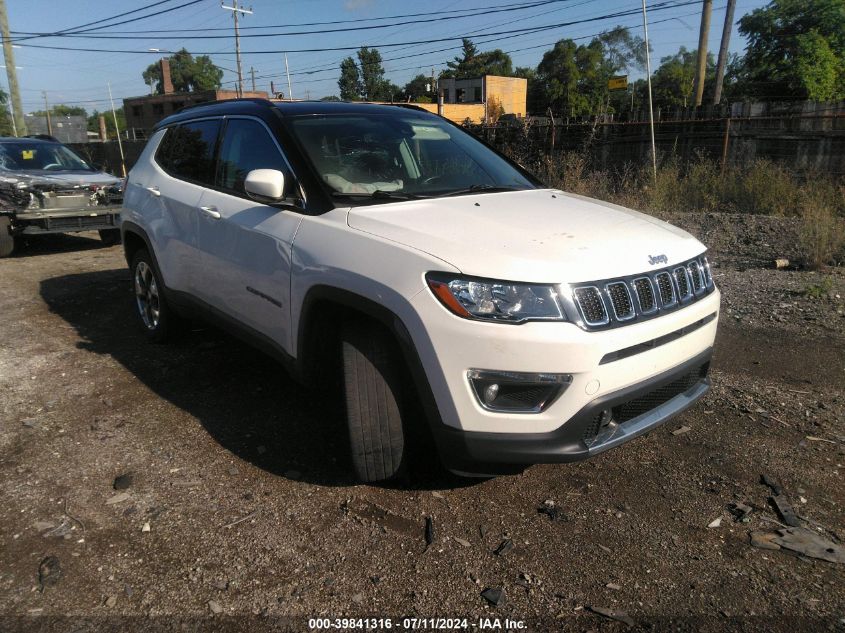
[241, 507]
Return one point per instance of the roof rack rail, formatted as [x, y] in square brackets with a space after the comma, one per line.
[257, 100]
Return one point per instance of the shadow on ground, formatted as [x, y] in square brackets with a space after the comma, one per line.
[244, 399]
[52, 243]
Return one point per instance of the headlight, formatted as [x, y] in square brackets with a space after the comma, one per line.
[501, 301]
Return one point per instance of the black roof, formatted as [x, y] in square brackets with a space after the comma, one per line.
[286, 108]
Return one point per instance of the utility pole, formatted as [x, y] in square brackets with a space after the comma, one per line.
[252, 74]
[723, 51]
[19, 123]
[47, 113]
[701, 68]
[287, 72]
[650, 105]
[117, 129]
[238, 10]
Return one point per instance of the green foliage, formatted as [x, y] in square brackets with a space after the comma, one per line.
[572, 79]
[350, 80]
[796, 48]
[330, 98]
[94, 124]
[6, 127]
[819, 290]
[63, 110]
[672, 82]
[187, 73]
[419, 89]
[365, 80]
[473, 63]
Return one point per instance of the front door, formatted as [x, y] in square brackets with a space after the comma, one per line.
[246, 245]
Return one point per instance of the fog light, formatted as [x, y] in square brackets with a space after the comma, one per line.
[516, 392]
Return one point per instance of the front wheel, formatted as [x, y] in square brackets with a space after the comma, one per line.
[109, 237]
[7, 240]
[371, 373]
[158, 319]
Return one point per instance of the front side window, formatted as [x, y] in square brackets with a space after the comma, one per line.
[360, 154]
[246, 146]
[187, 151]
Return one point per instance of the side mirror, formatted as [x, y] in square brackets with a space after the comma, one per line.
[265, 185]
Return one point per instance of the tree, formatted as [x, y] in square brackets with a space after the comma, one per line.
[187, 73]
[94, 122]
[365, 80]
[330, 98]
[572, 79]
[672, 82]
[796, 48]
[419, 89]
[473, 63]
[350, 80]
[6, 128]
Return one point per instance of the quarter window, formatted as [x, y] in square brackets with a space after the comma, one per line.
[246, 146]
[187, 151]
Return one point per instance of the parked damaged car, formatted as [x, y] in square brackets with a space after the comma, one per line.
[47, 188]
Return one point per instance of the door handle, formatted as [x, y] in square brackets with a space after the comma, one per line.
[211, 212]
[154, 191]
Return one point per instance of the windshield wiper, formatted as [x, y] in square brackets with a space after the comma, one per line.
[480, 188]
[378, 194]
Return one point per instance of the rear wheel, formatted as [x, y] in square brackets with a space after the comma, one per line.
[158, 319]
[371, 373]
[7, 240]
[109, 237]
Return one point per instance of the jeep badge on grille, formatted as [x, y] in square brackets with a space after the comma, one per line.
[658, 259]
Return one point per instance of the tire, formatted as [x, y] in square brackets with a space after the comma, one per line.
[158, 320]
[371, 376]
[109, 237]
[7, 240]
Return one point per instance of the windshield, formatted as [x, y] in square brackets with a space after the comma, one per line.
[382, 156]
[23, 156]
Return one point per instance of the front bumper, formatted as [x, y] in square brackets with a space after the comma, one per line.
[639, 409]
[68, 220]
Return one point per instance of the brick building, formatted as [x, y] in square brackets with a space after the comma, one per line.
[142, 113]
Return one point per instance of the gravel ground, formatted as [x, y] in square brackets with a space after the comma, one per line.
[238, 512]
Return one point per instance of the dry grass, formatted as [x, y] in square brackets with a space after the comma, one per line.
[761, 187]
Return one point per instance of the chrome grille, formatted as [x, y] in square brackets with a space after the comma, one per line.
[645, 295]
[620, 300]
[682, 279]
[613, 302]
[696, 276]
[591, 305]
[666, 289]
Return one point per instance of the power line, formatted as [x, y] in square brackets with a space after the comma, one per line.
[514, 32]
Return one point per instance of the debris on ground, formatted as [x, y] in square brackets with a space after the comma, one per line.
[740, 511]
[763, 540]
[552, 511]
[370, 513]
[784, 509]
[111, 601]
[494, 596]
[429, 531]
[810, 543]
[681, 430]
[120, 497]
[781, 263]
[461, 541]
[215, 606]
[614, 586]
[145, 527]
[769, 481]
[504, 547]
[715, 522]
[122, 482]
[613, 614]
[49, 572]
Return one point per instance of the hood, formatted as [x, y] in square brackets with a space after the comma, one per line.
[538, 235]
[58, 179]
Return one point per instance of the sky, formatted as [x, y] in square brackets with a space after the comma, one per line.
[81, 78]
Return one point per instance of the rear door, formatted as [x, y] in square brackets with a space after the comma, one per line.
[246, 245]
[183, 168]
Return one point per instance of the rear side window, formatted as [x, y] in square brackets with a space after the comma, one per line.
[187, 151]
[247, 145]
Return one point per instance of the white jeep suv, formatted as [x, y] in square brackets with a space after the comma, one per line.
[529, 324]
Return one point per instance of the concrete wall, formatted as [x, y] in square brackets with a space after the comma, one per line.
[68, 129]
[510, 92]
